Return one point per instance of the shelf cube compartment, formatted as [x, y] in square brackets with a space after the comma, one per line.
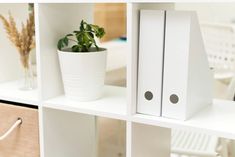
[111, 136]
[53, 28]
[11, 67]
[74, 134]
[150, 141]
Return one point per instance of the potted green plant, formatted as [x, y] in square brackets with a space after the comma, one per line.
[82, 62]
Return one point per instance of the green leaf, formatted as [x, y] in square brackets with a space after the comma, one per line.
[80, 38]
[76, 32]
[88, 28]
[69, 35]
[100, 33]
[60, 44]
[76, 48]
[84, 48]
[82, 25]
[95, 28]
[97, 48]
[91, 35]
[66, 41]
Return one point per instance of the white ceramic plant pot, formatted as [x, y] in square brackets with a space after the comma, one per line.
[83, 74]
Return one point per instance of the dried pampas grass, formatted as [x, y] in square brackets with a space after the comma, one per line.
[24, 41]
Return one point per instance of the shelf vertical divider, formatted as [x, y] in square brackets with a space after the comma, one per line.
[131, 74]
[39, 78]
[128, 138]
[132, 57]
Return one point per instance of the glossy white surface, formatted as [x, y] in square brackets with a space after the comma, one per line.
[111, 105]
[217, 119]
[10, 91]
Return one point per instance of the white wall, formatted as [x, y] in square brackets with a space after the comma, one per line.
[211, 12]
[57, 20]
[10, 65]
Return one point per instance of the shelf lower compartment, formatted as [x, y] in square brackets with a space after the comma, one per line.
[111, 105]
[217, 119]
[9, 91]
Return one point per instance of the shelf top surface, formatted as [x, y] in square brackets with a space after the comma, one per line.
[10, 91]
[111, 105]
[217, 119]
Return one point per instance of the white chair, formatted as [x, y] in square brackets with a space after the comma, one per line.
[194, 144]
[219, 40]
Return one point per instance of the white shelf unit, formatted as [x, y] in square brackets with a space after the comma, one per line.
[68, 127]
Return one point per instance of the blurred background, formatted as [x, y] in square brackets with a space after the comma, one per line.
[112, 16]
[217, 22]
